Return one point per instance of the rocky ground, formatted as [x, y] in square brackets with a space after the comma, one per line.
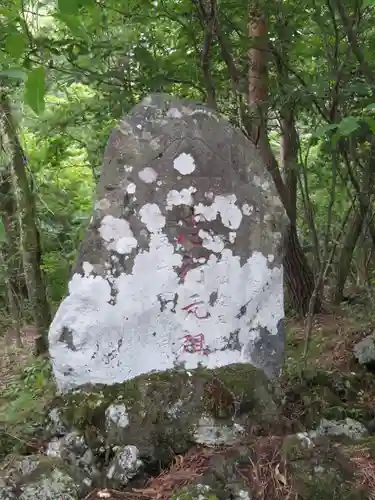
[224, 434]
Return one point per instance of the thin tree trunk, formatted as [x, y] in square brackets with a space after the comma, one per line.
[29, 234]
[298, 275]
[12, 256]
[207, 16]
[347, 249]
[289, 157]
[364, 192]
[12, 303]
[9, 254]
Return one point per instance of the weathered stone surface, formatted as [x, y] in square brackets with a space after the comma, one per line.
[162, 414]
[124, 466]
[364, 351]
[54, 426]
[181, 264]
[348, 427]
[73, 450]
[40, 477]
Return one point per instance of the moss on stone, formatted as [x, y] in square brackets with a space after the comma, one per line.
[21, 472]
[217, 390]
[165, 408]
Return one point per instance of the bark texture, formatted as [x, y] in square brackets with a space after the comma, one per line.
[29, 234]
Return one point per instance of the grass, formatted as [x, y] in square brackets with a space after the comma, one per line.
[333, 337]
[26, 388]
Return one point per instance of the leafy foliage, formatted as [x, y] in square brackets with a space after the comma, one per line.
[72, 68]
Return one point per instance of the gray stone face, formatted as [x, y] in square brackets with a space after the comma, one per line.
[181, 263]
[364, 350]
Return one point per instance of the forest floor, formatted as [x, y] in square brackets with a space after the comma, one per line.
[26, 386]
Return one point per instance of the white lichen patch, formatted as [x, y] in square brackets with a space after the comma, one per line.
[126, 244]
[214, 242]
[183, 197]
[148, 175]
[174, 410]
[154, 143]
[118, 415]
[152, 217]
[87, 268]
[242, 495]
[128, 168]
[147, 102]
[265, 185]
[225, 206]
[117, 233]
[174, 113]
[201, 111]
[184, 163]
[247, 209]
[232, 237]
[102, 204]
[146, 135]
[135, 335]
[131, 188]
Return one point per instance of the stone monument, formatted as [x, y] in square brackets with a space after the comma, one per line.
[181, 265]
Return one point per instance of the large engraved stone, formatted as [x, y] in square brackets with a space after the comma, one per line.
[181, 263]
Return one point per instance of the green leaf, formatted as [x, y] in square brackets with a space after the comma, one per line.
[15, 44]
[35, 90]
[370, 107]
[72, 6]
[3, 236]
[75, 26]
[371, 123]
[17, 74]
[68, 6]
[323, 129]
[348, 125]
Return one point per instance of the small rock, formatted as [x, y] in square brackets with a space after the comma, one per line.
[348, 427]
[364, 350]
[73, 450]
[125, 465]
[56, 486]
[210, 433]
[55, 426]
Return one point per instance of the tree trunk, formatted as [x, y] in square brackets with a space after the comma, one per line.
[29, 234]
[364, 194]
[11, 254]
[289, 158]
[346, 254]
[12, 303]
[298, 275]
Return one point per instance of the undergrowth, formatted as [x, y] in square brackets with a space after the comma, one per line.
[22, 406]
